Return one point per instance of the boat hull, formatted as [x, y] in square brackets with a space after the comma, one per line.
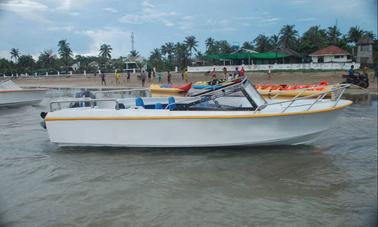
[9, 98]
[189, 131]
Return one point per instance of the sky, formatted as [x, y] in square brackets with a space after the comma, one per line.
[36, 25]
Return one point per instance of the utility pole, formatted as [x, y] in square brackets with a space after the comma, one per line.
[132, 41]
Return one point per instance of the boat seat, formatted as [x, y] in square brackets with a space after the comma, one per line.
[171, 103]
[139, 102]
[121, 106]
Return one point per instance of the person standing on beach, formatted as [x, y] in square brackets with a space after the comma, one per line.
[242, 72]
[153, 73]
[159, 77]
[213, 74]
[143, 77]
[128, 76]
[149, 75]
[169, 77]
[103, 81]
[225, 73]
[186, 76]
[117, 78]
[236, 73]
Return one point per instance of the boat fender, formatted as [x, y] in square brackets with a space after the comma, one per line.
[43, 115]
[158, 106]
[43, 124]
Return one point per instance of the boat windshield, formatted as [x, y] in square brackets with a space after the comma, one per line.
[239, 95]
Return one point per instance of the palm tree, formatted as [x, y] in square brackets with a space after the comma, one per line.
[65, 51]
[288, 36]
[313, 39]
[191, 43]
[15, 54]
[105, 51]
[333, 34]
[156, 59]
[354, 34]
[209, 42]
[168, 49]
[274, 41]
[134, 53]
[182, 54]
[247, 45]
[262, 43]
[46, 59]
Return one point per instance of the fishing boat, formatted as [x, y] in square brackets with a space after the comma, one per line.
[169, 89]
[233, 115]
[13, 95]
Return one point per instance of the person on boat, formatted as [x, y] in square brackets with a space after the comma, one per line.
[225, 73]
[103, 81]
[236, 73]
[213, 74]
[169, 77]
[143, 77]
[186, 76]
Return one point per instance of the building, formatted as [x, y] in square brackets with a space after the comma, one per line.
[331, 54]
[293, 57]
[365, 50]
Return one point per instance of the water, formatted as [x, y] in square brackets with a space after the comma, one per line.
[332, 182]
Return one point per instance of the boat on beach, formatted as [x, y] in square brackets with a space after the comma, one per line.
[169, 89]
[275, 90]
[13, 95]
[233, 115]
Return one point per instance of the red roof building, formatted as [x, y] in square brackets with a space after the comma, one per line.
[330, 54]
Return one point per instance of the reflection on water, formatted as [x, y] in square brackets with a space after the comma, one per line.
[331, 182]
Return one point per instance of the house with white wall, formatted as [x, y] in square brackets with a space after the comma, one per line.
[331, 54]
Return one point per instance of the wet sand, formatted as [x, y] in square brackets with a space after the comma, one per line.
[91, 81]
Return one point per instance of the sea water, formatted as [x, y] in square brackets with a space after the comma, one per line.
[330, 182]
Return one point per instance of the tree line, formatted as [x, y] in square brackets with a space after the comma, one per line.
[182, 54]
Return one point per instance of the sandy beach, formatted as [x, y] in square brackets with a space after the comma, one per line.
[91, 81]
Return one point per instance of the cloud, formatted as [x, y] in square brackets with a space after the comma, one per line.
[118, 39]
[23, 6]
[27, 9]
[307, 19]
[263, 19]
[111, 10]
[149, 14]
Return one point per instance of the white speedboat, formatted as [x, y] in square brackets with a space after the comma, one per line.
[13, 95]
[233, 115]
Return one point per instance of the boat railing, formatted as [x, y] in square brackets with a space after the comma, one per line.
[120, 91]
[82, 102]
[335, 92]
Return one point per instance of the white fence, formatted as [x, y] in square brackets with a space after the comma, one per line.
[304, 66]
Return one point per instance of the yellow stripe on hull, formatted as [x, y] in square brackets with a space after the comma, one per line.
[196, 117]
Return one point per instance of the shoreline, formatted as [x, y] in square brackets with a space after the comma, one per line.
[94, 82]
